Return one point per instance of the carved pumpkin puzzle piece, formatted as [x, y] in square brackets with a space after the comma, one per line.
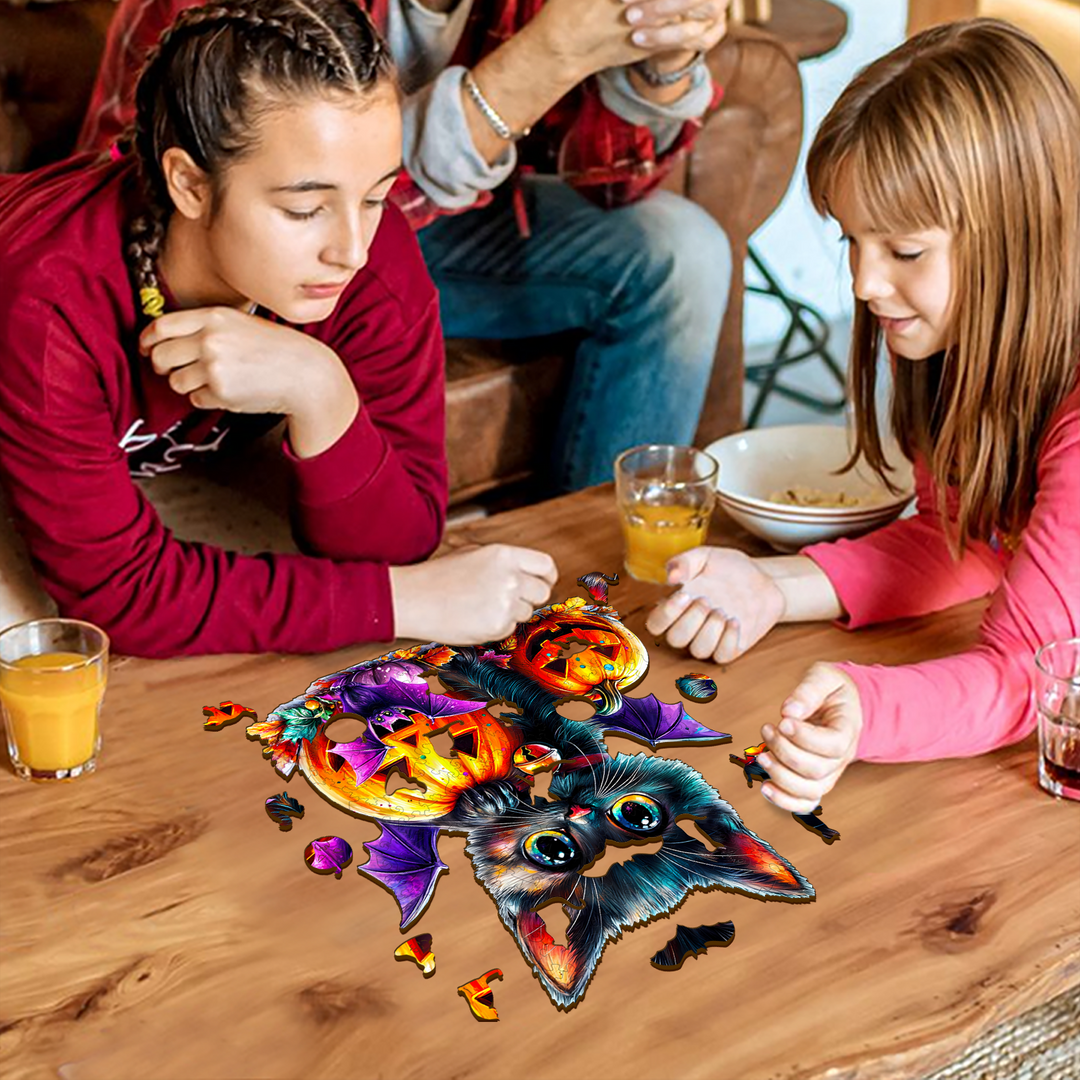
[613, 658]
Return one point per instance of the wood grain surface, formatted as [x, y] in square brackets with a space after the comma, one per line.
[155, 923]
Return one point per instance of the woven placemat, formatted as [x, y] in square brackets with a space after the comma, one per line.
[1043, 1044]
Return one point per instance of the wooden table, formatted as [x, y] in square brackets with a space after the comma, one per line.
[155, 923]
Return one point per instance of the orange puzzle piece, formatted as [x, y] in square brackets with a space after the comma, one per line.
[418, 949]
[227, 712]
[480, 997]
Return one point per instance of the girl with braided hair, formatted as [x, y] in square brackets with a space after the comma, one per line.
[239, 266]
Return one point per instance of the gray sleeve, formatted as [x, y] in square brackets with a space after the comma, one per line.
[438, 147]
[664, 121]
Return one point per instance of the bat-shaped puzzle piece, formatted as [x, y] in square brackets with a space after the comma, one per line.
[480, 997]
[418, 950]
[226, 713]
[690, 941]
[815, 824]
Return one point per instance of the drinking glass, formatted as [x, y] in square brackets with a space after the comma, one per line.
[1057, 698]
[666, 496]
[52, 681]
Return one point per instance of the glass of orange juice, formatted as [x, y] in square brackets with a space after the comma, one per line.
[666, 496]
[52, 680]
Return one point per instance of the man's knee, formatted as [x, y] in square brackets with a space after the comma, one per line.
[684, 246]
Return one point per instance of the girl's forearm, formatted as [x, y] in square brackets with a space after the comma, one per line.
[808, 593]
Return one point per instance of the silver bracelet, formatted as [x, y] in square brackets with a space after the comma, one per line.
[667, 78]
[498, 124]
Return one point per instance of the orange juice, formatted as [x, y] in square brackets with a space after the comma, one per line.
[654, 534]
[52, 714]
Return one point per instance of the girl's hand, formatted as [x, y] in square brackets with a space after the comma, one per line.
[816, 741]
[472, 596]
[726, 604]
[221, 358]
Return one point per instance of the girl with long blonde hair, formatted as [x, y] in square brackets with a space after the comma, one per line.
[953, 168]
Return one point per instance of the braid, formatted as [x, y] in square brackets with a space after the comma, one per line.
[196, 88]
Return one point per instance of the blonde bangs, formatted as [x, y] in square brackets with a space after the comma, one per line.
[902, 184]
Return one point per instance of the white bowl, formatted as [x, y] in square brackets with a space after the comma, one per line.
[756, 464]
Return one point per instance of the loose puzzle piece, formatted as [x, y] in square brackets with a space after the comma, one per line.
[418, 949]
[328, 854]
[751, 769]
[696, 686]
[754, 770]
[690, 941]
[812, 822]
[226, 713]
[281, 809]
[528, 853]
[480, 997]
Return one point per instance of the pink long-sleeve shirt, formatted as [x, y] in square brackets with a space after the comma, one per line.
[976, 701]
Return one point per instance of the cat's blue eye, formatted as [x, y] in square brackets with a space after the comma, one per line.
[638, 813]
[551, 849]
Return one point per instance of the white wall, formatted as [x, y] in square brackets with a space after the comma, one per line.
[803, 251]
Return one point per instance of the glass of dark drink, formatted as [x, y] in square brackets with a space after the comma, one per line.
[1057, 698]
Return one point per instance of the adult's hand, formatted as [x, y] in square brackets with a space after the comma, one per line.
[818, 734]
[673, 31]
[725, 604]
[471, 596]
[582, 37]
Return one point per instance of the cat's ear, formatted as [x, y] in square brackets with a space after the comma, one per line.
[745, 862]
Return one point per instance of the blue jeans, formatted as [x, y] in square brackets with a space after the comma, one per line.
[647, 283]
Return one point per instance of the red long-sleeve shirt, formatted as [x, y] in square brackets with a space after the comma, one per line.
[81, 410]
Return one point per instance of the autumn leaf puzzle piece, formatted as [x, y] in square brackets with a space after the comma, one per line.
[226, 712]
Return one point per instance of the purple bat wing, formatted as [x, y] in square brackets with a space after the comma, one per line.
[657, 722]
[365, 755]
[405, 859]
[413, 696]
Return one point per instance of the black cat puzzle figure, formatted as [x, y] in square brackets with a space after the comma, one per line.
[528, 852]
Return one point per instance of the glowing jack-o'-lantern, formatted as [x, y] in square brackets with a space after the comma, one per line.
[611, 658]
[483, 749]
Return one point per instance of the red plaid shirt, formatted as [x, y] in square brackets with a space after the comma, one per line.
[607, 159]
